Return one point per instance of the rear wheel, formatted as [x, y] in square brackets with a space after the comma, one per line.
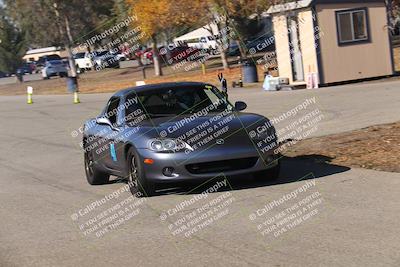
[270, 174]
[79, 70]
[136, 177]
[93, 175]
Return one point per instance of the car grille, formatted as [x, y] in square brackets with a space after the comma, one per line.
[222, 165]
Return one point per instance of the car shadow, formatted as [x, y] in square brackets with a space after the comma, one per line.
[293, 169]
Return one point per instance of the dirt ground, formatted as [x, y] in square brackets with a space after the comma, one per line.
[376, 147]
[112, 80]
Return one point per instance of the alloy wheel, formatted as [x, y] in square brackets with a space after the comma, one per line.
[89, 164]
[132, 177]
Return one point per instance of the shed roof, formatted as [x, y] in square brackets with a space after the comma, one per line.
[198, 33]
[289, 6]
[308, 3]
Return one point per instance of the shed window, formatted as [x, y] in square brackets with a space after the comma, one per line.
[352, 26]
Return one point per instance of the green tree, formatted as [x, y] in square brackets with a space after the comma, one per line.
[243, 18]
[157, 18]
[57, 22]
[12, 45]
[37, 18]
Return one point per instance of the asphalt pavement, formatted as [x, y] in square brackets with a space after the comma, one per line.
[316, 214]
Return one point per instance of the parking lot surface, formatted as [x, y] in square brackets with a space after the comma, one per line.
[343, 217]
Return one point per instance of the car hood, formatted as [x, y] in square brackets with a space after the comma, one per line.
[233, 128]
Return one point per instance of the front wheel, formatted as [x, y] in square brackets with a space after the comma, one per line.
[93, 175]
[79, 70]
[136, 177]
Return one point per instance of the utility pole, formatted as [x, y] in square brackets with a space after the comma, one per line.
[69, 40]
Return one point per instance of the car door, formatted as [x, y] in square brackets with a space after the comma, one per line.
[108, 135]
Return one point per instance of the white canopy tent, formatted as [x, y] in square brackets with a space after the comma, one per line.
[201, 37]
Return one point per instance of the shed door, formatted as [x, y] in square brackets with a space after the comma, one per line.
[295, 49]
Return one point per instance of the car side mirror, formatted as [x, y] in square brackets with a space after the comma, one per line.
[105, 121]
[240, 105]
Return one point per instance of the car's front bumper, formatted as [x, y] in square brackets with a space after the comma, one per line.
[180, 162]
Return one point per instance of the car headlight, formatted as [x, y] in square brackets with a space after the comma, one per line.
[168, 145]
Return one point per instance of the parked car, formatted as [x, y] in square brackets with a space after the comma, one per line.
[42, 61]
[25, 69]
[179, 53]
[54, 68]
[148, 54]
[119, 56]
[104, 59]
[145, 55]
[233, 50]
[4, 74]
[83, 61]
[65, 61]
[154, 134]
[32, 66]
[262, 44]
[253, 46]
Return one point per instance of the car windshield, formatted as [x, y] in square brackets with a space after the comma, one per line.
[52, 57]
[170, 102]
[100, 54]
[80, 55]
[55, 62]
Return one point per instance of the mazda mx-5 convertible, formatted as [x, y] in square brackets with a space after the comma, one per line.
[176, 132]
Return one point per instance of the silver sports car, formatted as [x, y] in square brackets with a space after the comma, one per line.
[175, 132]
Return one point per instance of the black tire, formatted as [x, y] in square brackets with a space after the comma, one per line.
[270, 174]
[136, 175]
[79, 70]
[63, 74]
[93, 175]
